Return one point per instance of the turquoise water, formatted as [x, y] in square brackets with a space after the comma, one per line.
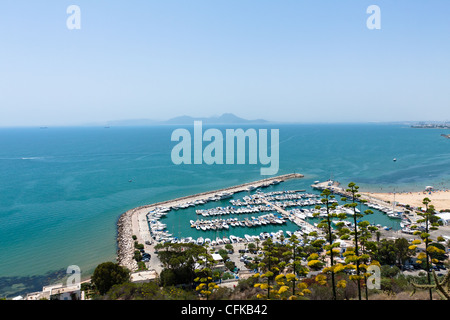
[178, 224]
[63, 189]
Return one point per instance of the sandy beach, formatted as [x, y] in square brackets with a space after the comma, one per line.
[440, 199]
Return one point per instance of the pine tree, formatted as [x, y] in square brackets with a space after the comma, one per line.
[430, 223]
[355, 256]
[295, 254]
[268, 268]
[330, 205]
[275, 281]
[206, 284]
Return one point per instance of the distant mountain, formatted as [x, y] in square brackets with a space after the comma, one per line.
[226, 118]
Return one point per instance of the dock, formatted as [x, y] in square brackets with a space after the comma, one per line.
[305, 226]
[331, 185]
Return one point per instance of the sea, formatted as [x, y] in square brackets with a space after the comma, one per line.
[62, 189]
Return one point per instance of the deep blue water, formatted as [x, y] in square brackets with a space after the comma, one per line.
[63, 189]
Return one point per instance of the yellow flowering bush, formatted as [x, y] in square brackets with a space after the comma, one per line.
[291, 277]
[342, 284]
[421, 256]
[314, 263]
[283, 289]
[321, 279]
[313, 256]
[339, 268]
[433, 249]
[302, 286]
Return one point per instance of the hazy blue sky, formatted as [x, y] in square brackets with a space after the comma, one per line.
[280, 60]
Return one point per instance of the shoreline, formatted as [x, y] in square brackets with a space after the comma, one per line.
[439, 198]
[134, 221]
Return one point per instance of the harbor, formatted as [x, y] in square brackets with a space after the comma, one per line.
[144, 222]
[253, 211]
[246, 213]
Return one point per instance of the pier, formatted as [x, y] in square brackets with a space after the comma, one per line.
[331, 185]
[306, 227]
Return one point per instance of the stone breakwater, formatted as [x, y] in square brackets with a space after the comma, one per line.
[125, 242]
[133, 222]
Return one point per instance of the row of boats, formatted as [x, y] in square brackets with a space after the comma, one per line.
[304, 213]
[220, 196]
[219, 224]
[277, 237]
[310, 213]
[219, 211]
[388, 211]
[216, 197]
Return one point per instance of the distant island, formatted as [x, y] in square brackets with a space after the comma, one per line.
[226, 118]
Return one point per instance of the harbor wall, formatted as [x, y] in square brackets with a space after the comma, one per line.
[233, 189]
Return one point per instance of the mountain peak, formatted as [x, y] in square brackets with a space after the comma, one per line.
[226, 118]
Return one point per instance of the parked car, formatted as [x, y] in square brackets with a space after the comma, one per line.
[408, 267]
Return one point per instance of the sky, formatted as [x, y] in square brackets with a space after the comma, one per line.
[283, 60]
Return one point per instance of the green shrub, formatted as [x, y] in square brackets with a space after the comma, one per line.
[108, 274]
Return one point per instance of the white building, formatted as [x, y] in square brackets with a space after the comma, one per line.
[445, 217]
[144, 276]
[58, 292]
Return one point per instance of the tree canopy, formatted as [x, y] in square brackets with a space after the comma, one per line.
[108, 274]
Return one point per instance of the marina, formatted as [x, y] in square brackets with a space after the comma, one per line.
[241, 219]
[274, 208]
[146, 222]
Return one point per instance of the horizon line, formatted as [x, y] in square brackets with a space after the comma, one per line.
[251, 122]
